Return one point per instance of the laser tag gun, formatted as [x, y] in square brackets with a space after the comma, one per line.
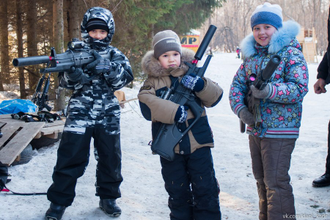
[261, 80]
[169, 135]
[77, 56]
[40, 98]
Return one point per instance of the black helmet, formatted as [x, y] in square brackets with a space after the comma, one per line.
[102, 14]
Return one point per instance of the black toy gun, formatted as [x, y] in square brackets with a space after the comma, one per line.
[78, 55]
[169, 135]
[261, 80]
[40, 98]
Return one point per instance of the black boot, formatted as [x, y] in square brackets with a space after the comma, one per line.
[110, 207]
[322, 181]
[55, 212]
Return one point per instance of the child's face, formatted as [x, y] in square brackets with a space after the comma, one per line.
[98, 34]
[170, 59]
[262, 33]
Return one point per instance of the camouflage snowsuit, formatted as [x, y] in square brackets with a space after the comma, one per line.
[93, 112]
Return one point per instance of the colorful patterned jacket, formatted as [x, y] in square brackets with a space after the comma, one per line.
[278, 116]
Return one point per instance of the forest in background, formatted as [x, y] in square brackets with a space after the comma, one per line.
[32, 27]
[233, 20]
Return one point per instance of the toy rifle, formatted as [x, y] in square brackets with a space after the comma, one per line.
[77, 56]
[169, 135]
[261, 80]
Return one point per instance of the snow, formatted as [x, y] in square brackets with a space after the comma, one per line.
[143, 193]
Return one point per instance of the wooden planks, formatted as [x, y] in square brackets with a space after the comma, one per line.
[17, 135]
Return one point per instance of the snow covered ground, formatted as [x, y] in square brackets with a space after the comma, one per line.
[143, 193]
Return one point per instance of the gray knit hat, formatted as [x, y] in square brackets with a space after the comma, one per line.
[165, 41]
[267, 14]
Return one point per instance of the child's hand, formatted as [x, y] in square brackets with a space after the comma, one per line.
[98, 58]
[102, 67]
[246, 116]
[261, 94]
[75, 74]
[193, 82]
[181, 114]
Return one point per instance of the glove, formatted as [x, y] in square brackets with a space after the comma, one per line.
[263, 93]
[99, 65]
[98, 57]
[181, 114]
[75, 74]
[246, 116]
[193, 82]
[103, 67]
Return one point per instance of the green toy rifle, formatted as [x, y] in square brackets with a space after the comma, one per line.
[261, 80]
[169, 135]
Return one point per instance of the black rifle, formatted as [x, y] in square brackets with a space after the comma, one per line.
[261, 80]
[41, 98]
[169, 135]
[78, 55]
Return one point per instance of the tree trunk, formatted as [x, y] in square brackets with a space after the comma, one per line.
[32, 41]
[19, 32]
[58, 30]
[4, 44]
[74, 18]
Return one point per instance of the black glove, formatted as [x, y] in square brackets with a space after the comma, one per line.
[193, 82]
[246, 116]
[92, 65]
[75, 74]
[99, 65]
[181, 114]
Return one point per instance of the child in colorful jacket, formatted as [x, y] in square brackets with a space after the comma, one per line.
[275, 111]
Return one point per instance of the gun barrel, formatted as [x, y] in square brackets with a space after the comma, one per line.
[271, 66]
[26, 61]
[206, 40]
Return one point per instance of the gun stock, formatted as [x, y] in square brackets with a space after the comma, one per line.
[170, 135]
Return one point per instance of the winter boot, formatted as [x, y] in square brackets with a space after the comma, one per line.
[110, 207]
[55, 212]
[322, 181]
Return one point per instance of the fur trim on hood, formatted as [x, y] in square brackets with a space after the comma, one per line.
[152, 67]
[280, 39]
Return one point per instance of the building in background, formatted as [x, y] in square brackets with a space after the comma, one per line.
[307, 40]
[191, 40]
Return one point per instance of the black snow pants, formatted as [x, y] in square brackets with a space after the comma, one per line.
[192, 186]
[72, 159]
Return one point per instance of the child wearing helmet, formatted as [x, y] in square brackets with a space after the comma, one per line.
[93, 112]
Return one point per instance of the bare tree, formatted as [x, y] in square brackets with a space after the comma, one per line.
[236, 14]
[32, 41]
[19, 32]
[58, 43]
[74, 16]
[4, 44]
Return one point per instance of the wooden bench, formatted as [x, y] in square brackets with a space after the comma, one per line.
[17, 135]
